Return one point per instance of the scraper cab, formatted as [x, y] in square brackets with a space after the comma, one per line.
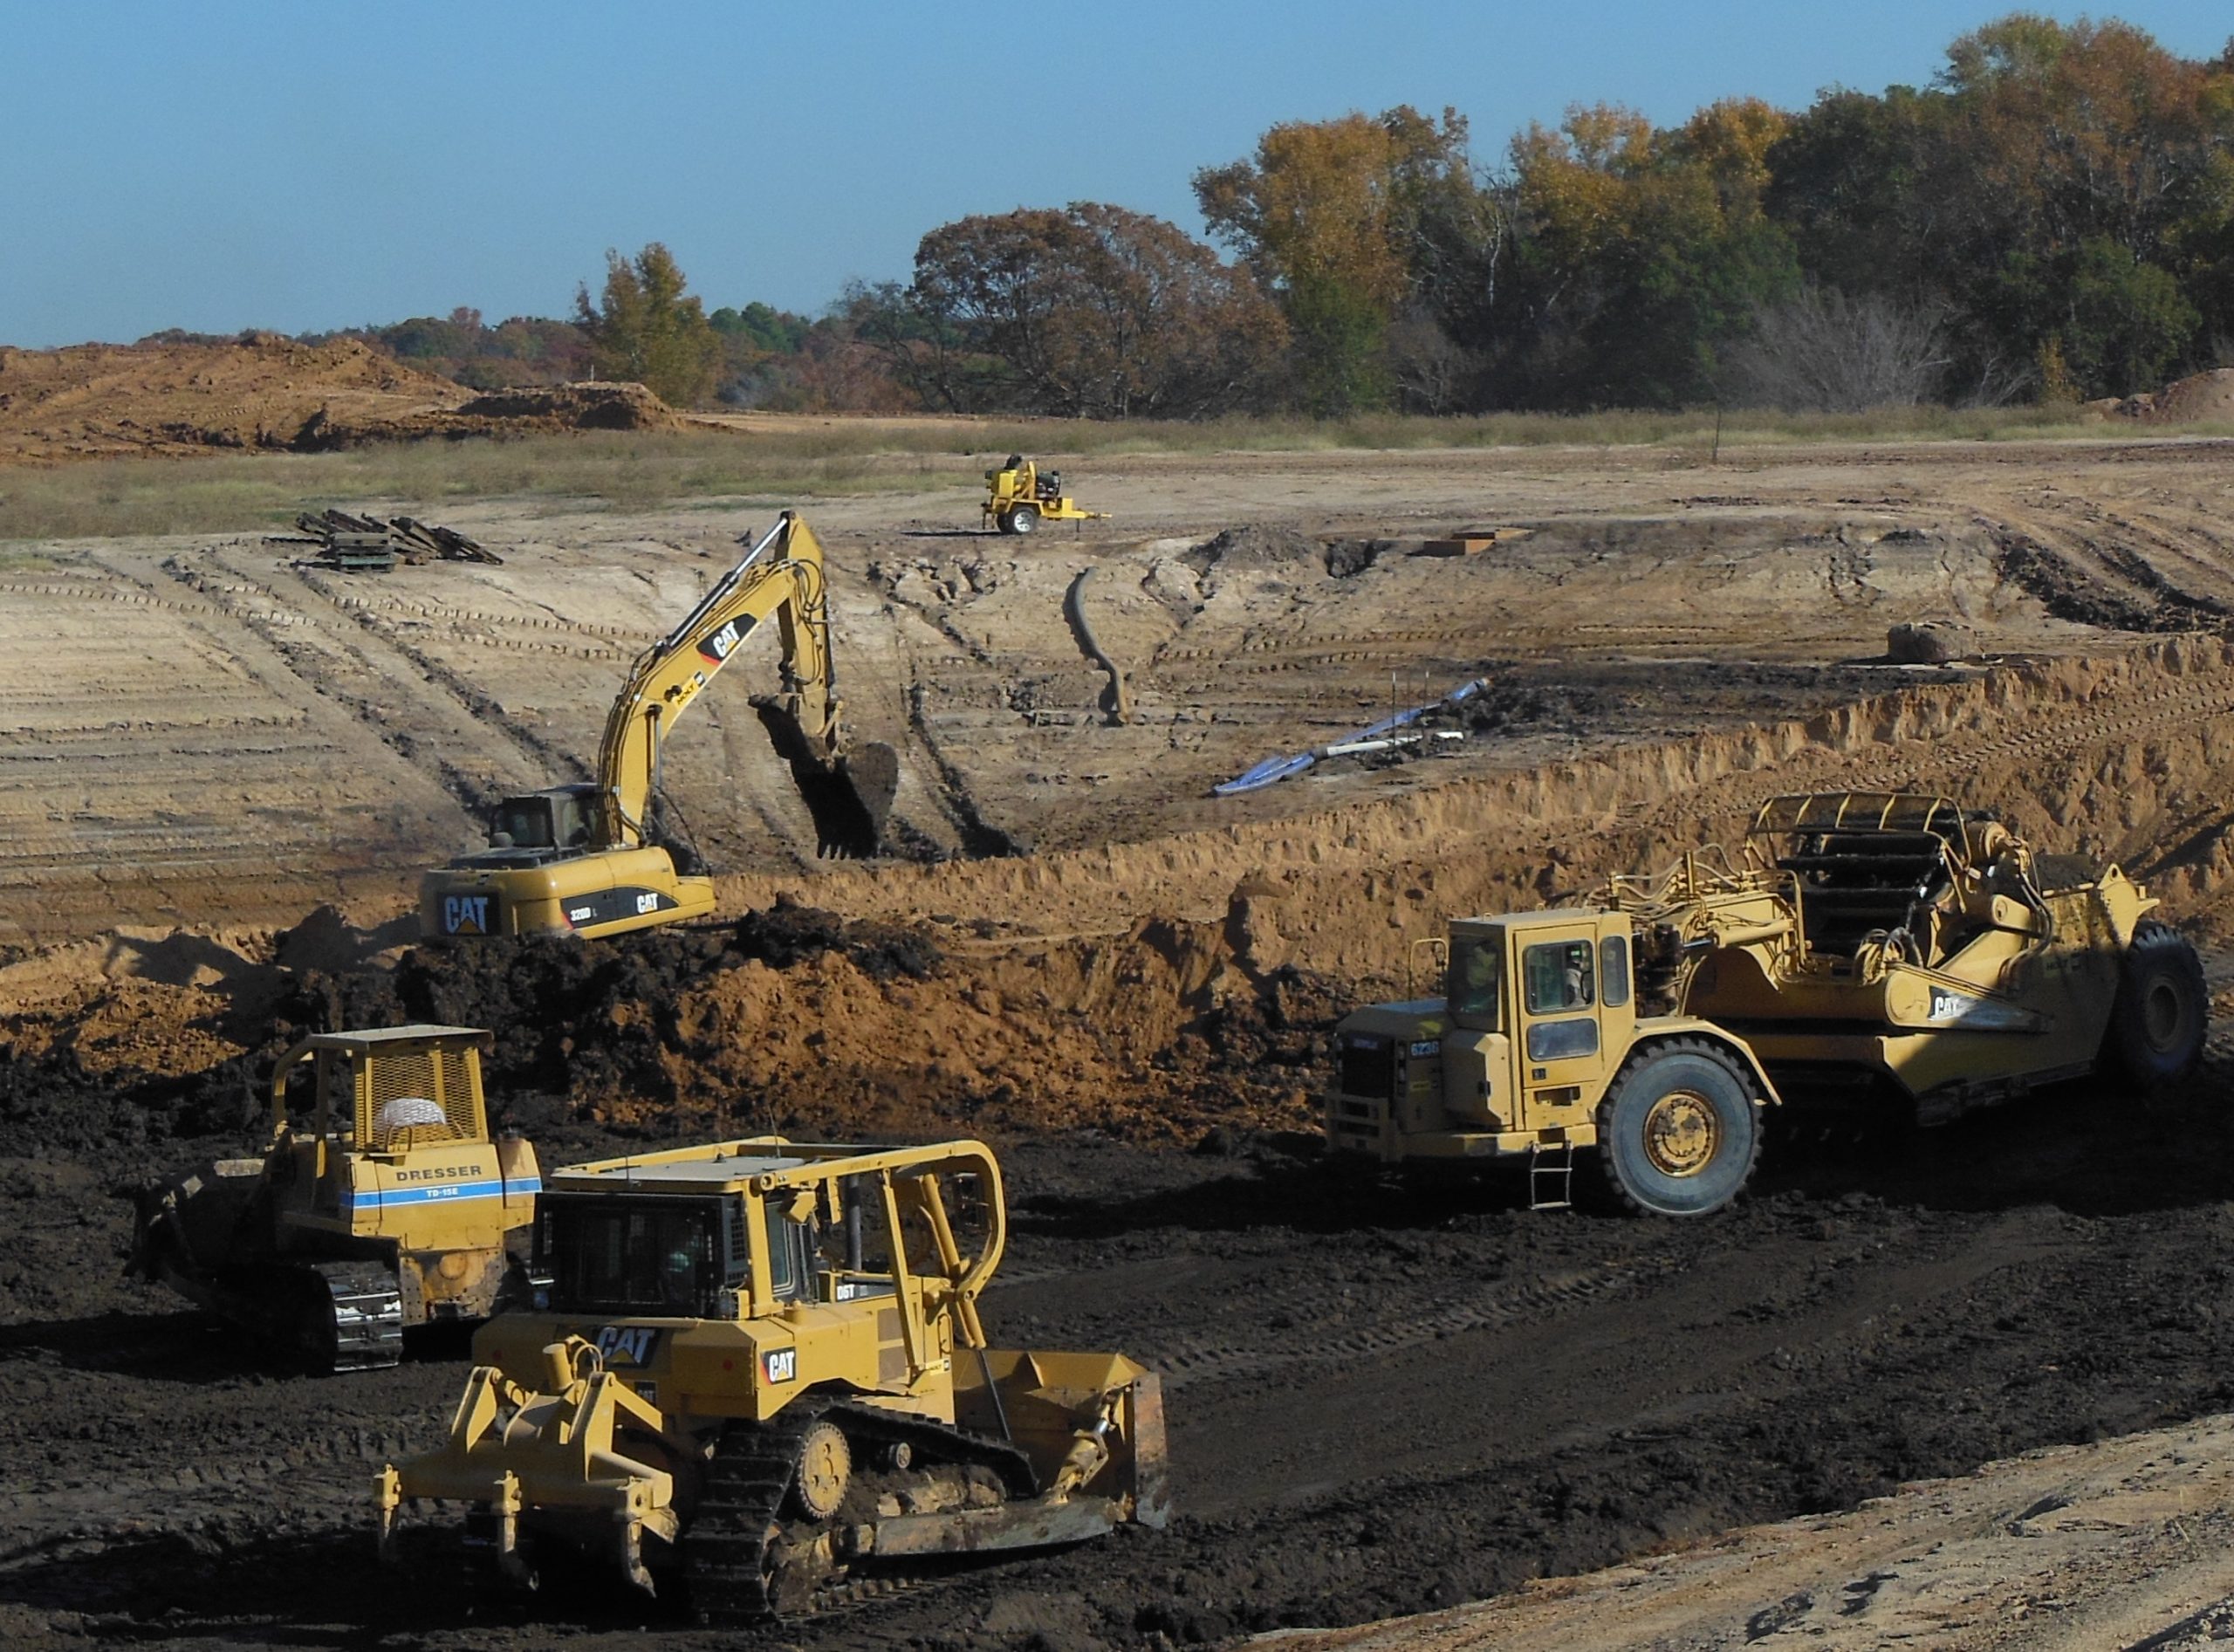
[756, 1370]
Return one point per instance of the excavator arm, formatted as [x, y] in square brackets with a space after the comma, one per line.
[782, 577]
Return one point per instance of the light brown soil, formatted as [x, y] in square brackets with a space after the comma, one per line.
[2201, 398]
[262, 391]
[2124, 1543]
[1378, 1405]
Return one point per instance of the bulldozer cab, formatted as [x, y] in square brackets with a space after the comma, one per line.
[381, 1092]
[741, 1252]
[875, 1257]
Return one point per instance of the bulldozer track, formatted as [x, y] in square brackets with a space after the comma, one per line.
[253, 604]
[734, 1550]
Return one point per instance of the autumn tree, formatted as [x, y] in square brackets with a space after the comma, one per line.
[1090, 311]
[1638, 253]
[1347, 221]
[2060, 194]
[645, 327]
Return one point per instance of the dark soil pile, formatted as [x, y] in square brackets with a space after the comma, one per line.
[791, 1019]
[1256, 547]
[598, 1018]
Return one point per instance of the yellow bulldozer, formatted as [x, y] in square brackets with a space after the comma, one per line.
[1019, 496]
[382, 1203]
[579, 860]
[755, 1370]
[1867, 949]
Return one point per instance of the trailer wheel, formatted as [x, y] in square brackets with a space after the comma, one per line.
[1024, 519]
[1679, 1131]
[2162, 1007]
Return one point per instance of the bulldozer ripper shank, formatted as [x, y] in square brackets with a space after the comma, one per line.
[756, 1369]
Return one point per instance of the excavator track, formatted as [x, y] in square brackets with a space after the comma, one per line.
[742, 1561]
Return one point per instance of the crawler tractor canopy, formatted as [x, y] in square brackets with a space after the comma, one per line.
[383, 1202]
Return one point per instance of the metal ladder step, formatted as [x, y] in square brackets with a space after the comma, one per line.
[1551, 1175]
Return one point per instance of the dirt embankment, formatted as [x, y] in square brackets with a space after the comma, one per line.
[1155, 992]
[2123, 758]
[262, 392]
[2202, 398]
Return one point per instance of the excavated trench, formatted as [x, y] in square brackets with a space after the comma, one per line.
[1379, 1401]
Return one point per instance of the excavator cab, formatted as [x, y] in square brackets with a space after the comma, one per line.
[554, 822]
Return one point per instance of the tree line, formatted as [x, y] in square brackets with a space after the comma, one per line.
[2052, 219]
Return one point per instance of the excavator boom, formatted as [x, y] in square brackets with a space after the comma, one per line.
[782, 576]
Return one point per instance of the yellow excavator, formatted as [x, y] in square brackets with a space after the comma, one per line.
[580, 859]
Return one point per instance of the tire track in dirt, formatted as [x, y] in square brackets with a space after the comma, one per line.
[442, 729]
[185, 721]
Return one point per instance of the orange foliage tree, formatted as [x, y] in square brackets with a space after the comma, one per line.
[1346, 220]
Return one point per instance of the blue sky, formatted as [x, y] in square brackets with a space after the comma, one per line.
[216, 166]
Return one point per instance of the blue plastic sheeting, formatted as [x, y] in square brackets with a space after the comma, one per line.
[1265, 773]
[1271, 770]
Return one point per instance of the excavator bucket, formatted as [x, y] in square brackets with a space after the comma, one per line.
[872, 775]
[849, 796]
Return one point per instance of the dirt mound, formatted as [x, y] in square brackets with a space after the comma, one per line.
[793, 1018]
[1928, 641]
[258, 391]
[263, 392]
[2201, 398]
[1254, 547]
[543, 410]
[576, 406]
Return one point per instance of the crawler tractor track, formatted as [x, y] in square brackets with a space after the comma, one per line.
[744, 1562]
